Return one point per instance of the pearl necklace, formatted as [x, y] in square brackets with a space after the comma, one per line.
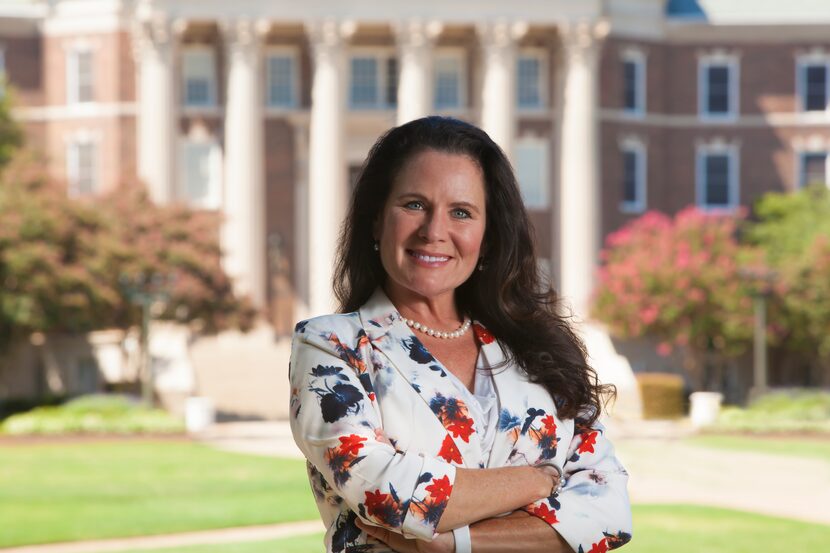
[461, 331]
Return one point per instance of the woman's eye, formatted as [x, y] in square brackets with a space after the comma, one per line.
[414, 205]
[461, 213]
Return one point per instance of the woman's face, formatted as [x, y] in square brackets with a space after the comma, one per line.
[432, 226]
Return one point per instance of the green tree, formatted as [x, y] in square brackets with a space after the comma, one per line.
[793, 231]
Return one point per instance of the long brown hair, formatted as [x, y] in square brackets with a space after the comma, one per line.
[508, 296]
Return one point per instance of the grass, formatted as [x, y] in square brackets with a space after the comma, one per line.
[657, 529]
[693, 529]
[63, 492]
[793, 447]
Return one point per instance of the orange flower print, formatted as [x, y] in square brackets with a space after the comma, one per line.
[351, 444]
[440, 489]
[545, 513]
[588, 443]
[449, 452]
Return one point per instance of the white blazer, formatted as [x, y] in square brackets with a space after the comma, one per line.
[354, 375]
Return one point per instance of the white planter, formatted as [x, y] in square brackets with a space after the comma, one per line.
[199, 414]
[705, 408]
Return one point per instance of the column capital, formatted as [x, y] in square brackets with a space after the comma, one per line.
[501, 34]
[417, 33]
[328, 35]
[244, 35]
[581, 39]
[152, 33]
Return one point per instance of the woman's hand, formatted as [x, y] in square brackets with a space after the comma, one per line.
[443, 543]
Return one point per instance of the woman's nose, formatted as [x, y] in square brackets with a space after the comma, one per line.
[434, 227]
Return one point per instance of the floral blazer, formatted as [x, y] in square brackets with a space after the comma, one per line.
[383, 432]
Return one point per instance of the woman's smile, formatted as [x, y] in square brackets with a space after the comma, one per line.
[425, 259]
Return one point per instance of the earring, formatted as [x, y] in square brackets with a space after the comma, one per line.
[376, 246]
[481, 264]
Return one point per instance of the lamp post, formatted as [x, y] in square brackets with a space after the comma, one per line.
[149, 292]
[762, 280]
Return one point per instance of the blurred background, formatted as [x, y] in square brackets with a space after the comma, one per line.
[173, 174]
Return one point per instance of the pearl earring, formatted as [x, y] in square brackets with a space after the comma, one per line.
[480, 265]
[376, 246]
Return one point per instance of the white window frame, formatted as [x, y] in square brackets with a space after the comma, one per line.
[381, 55]
[541, 55]
[638, 148]
[213, 85]
[288, 52]
[460, 55]
[799, 167]
[802, 61]
[72, 74]
[717, 148]
[638, 58]
[544, 145]
[73, 168]
[732, 62]
[213, 199]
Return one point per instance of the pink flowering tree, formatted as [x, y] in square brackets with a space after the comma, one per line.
[679, 280]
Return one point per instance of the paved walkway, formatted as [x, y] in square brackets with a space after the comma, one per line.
[663, 468]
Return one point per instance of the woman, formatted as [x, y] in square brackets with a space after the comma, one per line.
[439, 408]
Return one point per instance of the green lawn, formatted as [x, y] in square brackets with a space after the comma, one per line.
[818, 448]
[64, 492]
[692, 529]
[657, 529]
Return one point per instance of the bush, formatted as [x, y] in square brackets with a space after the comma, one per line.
[784, 411]
[96, 414]
[662, 395]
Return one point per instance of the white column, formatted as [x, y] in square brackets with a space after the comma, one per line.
[415, 42]
[498, 95]
[158, 115]
[579, 203]
[327, 194]
[243, 231]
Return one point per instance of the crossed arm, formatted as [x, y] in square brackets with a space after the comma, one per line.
[518, 532]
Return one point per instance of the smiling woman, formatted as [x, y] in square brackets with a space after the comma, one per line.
[421, 435]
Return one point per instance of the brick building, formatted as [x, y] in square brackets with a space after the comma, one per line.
[265, 110]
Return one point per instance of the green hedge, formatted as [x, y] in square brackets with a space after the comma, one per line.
[784, 411]
[95, 414]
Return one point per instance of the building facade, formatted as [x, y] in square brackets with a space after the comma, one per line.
[264, 111]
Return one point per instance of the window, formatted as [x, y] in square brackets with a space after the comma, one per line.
[199, 71]
[449, 78]
[79, 72]
[532, 172]
[374, 81]
[811, 82]
[634, 83]
[717, 177]
[813, 169]
[718, 89]
[81, 167]
[201, 179]
[634, 178]
[282, 81]
[530, 79]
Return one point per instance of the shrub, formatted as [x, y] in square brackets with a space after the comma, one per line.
[783, 411]
[97, 414]
[662, 395]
